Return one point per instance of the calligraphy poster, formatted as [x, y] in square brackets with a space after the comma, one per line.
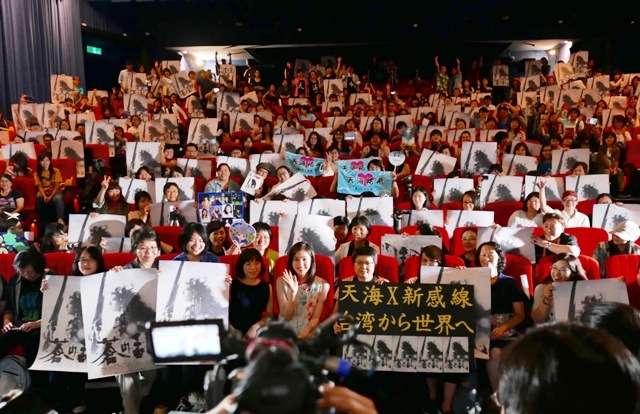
[356, 183]
[62, 334]
[401, 321]
[446, 190]
[296, 188]
[116, 307]
[136, 104]
[196, 168]
[464, 218]
[571, 298]
[202, 130]
[480, 279]
[518, 164]
[313, 229]
[563, 161]
[27, 149]
[554, 186]
[186, 187]
[101, 132]
[283, 143]
[323, 207]
[304, 164]
[176, 213]
[192, 291]
[118, 245]
[73, 150]
[227, 73]
[608, 216]
[501, 188]
[403, 247]
[601, 83]
[513, 240]
[168, 127]
[434, 164]
[418, 217]
[143, 153]
[130, 186]
[270, 211]
[588, 186]
[183, 84]
[379, 210]
[61, 88]
[89, 231]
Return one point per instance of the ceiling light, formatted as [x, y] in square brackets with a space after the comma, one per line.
[299, 29]
[199, 62]
[185, 52]
[84, 24]
[415, 25]
[124, 34]
[146, 33]
[552, 52]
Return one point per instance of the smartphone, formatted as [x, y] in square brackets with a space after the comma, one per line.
[186, 341]
[592, 121]
[349, 136]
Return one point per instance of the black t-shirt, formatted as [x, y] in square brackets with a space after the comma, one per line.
[247, 304]
[27, 302]
[8, 202]
[564, 239]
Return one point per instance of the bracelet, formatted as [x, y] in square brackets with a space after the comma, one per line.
[548, 244]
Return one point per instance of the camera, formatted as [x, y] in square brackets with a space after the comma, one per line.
[349, 136]
[276, 373]
[592, 121]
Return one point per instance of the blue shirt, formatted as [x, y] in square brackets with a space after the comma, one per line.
[206, 256]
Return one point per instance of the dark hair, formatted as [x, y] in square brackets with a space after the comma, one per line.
[495, 169]
[339, 221]
[522, 145]
[285, 168]
[433, 252]
[470, 193]
[568, 368]
[529, 197]
[52, 229]
[304, 247]
[168, 185]
[584, 165]
[619, 319]
[141, 195]
[177, 169]
[31, 257]
[426, 229]
[360, 220]
[262, 226]
[553, 215]
[377, 162]
[502, 258]
[249, 255]
[39, 169]
[144, 168]
[602, 195]
[95, 253]
[131, 224]
[575, 266]
[423, 190]
[365, 250]
[145, 233]
[191, 144]
[188, 231]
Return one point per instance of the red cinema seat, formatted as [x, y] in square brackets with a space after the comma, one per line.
[169, 235]
[60, 262]
[503, 210]
[516, 267]
[386, 267]
[588, 238]
[112, 260]
[543, 268]
[626, 265]
[412, 265]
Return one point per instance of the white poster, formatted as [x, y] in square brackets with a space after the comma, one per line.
[477, 157]
[101, 132]
[323, 207]
[563, 161]
[136, 104]
[570, 298]
[176, 213]
[553, 189]
[270, 211]
[73, 150]
[143, 153]
[202, 130]
[518, 164]
[464, 218]
[186, 188]
[296, 188]
[418, 217]
[130, 186]
[196, 168]
[500, 188]
[312, 229]
[62, 334]
[27, 148]
[608, 216]
[513, 240]
[61, 88]
[379, 210]
[116, 307]
[192, 290]
[435, 164]
[446, 190]
[403, 247]
[588, 186]
[89, 231]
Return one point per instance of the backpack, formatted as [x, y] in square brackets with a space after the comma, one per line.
[14, 374]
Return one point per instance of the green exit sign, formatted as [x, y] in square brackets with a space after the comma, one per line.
[94, 50]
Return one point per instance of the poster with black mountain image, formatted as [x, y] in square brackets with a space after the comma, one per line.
[477, 157]
[313, 229]
[500, 188]
[143, 153]
[86, 230]
[136, 104]
[608, 216]
[563, 161]
[101, 132]
[73, 150]
[588, 186]
[61, 88]
[447, 190]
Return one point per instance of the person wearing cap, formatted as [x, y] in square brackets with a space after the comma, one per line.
[572, 217]
[264, 169]
[622, 242]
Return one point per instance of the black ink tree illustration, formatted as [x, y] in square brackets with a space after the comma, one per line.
[235, 171]
[75, 326]
[589, 99]
[97, 232]
[521, 169]
[528, 100]
[434, 356]
[482, 162]
[459, 356]
[590, 192]
[384, 353]
[273, 218]
[202, 303]
[408, 359]
[64, 87]
[455, 194]
[601, 87]
[335, 89]
[504, 193]
[243, 125]
[140, 84]
[309, 235]
[153, 133]
[324, 212]
[290, 147]
[102, 136]
[147, 159]
[567, 100]
[185, 83]
[195, 172]
[232, 105]
[170, 128]
[205, 133]
[550, 194]
[437, 169]
[360, 354]
[134, 313]
[569, 163]
[374, 216]
[299, 194]
[138, 107]
[29, 117]
[617, 219]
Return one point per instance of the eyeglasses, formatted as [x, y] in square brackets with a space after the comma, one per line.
[360, 263]
[570, 200]
[86, 261]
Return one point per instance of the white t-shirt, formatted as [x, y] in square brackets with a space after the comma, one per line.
[519, 219]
